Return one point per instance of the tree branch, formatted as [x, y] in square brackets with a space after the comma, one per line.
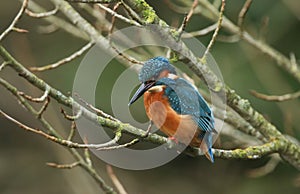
[14, 22]
[281, 60]
[281, 98]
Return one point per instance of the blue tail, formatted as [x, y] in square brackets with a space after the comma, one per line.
[208, 144]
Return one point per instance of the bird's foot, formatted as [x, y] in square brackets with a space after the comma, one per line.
[171, 142]
[148, 130]
[172, 138]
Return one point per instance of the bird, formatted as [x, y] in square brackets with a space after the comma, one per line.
[175, 106]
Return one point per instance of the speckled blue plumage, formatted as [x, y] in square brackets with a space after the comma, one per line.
[186, 100]
[153, 67]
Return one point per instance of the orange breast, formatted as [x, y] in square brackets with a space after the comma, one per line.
[181, 127]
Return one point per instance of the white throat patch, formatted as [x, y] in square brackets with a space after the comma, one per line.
[156, 89]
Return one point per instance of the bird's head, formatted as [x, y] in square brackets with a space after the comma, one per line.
[153, 70]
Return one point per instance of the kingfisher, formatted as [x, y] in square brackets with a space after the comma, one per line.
[175, 106]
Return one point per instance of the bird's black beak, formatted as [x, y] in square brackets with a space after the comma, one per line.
[142, 89]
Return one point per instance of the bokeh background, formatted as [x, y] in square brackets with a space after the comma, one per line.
[23, 155]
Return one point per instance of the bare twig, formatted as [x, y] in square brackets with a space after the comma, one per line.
[132, 142]
[187, 19]
[293, 60]
[3, 65]
[229, 39]
[128, 58]
[203, 58]
[87, 156]
[113, 13]
[20, 30]
[149, 128]
[263, 30]
[16, 19]
[39, 99]
[113, 19]
[65, 60]
[243, 13]
[44, 107]
[176, 8]
[41, 15]
[98, 111]
[266, 169]
[73, 117]
[281, 98]
[63, 166]
[115, 180]
[131, 14]
[72, 131]
[202, 32]
[111, 142]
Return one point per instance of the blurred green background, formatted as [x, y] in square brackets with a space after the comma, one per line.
[23, 155]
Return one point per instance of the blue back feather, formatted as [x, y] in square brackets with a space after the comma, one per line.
[186, 100]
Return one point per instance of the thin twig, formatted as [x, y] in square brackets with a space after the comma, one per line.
[128, 58]
[63, 166]
[281, 98]
[19, 30]
[3, 65]
[65, 60]
[41, 15]
[148, 129]
[113, 13]
[229, 39]
[132, 142]
[39, 99]
[132, 14]
[115, 180]
[98, 111]
[266, 169]
[187, 19]
[87, 156]
[73, 117]
[176, 8]
[72, 131]
[44, 107]
[243, 13]
[202, 32]
[113, 19]
[263, 30]
[16, 19]
[293, 60]
[203, 58]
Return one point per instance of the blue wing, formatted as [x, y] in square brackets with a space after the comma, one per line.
[185, 99]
